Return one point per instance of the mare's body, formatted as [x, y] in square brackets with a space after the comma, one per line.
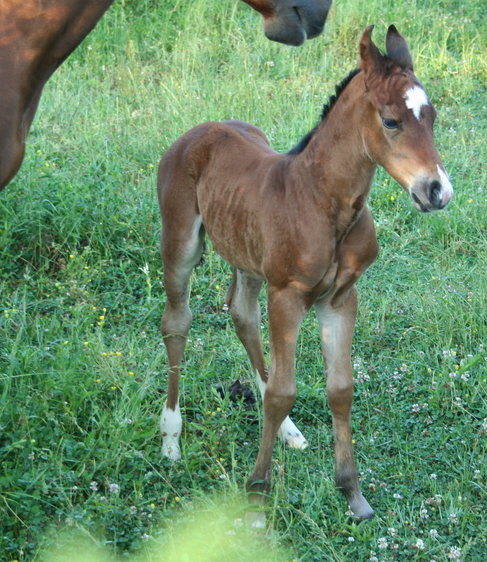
[37, 36]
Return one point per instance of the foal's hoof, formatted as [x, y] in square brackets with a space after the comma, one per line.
[361, 509]
[170, 449]
[256, 520]
[363, 517]
[290, 434]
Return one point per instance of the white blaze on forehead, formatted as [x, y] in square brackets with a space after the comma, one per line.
[415, 99]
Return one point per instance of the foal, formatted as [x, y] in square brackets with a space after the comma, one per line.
[298, 221]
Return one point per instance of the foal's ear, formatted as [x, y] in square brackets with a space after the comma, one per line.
[397, 49]
[370, 56]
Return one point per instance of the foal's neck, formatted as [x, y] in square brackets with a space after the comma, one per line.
[335, 161]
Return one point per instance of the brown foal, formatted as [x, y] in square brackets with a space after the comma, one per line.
[298, 221]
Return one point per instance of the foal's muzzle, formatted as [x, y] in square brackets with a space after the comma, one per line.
[431, 195]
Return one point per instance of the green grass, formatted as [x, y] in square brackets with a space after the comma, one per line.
[83, 367]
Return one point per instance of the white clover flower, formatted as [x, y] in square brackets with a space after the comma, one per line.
[94, 486]
[415, 408]
[424, 514]
[382, 543]
[114, 488]
[434, 533]
[453, 517]
[419, 544]
[454, 553]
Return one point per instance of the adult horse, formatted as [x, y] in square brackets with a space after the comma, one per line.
[36, 36]
[299, 222]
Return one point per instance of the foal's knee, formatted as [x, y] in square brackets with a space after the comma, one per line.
[176, 321]
[340, 396]
[243, 321]
[280, 401]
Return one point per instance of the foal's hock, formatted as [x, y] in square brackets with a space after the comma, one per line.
[299, 222]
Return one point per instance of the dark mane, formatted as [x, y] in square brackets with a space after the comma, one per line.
[303, 143]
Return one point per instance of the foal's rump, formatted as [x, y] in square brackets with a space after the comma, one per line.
[215, 173]
[205, 144]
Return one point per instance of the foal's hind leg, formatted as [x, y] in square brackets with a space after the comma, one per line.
[181, 248]
[242, 298]
[336, 327]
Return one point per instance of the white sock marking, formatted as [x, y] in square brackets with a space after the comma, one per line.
[415, 99]
[288, 432]
[171, 425]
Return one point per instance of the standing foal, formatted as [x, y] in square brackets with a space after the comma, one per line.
[298, 221]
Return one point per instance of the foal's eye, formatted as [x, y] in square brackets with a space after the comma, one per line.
[390, 123]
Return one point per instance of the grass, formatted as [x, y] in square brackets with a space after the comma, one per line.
[82, 365]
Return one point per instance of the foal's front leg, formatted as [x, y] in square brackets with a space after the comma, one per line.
[336, 330]
[286, 310]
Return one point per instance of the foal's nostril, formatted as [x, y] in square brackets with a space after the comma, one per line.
[435, 193]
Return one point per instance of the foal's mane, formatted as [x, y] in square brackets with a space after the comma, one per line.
[303, 143]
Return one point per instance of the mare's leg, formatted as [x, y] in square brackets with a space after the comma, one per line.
[337, 323]
[244, 306]
[286, 311]
[181, 249]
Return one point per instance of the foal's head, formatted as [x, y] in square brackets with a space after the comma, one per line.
[399, 132]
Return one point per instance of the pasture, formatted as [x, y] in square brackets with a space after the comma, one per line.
[83, 366]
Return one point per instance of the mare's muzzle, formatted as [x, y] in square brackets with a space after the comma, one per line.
[294, 21]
